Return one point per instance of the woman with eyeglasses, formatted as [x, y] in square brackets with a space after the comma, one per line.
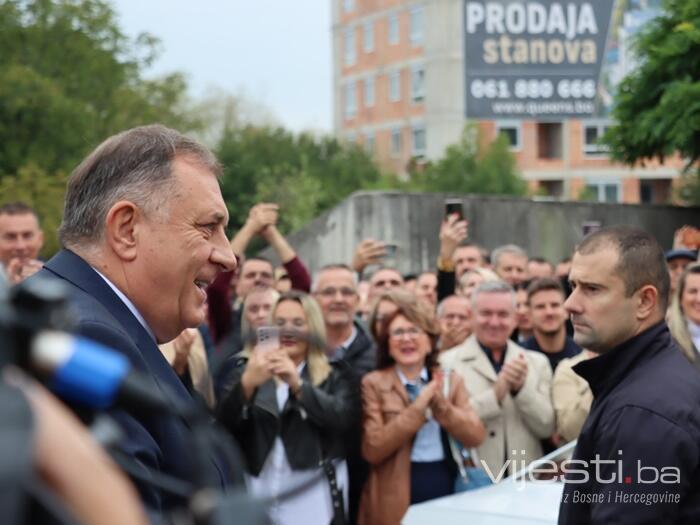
[290, 409]
[411, 412]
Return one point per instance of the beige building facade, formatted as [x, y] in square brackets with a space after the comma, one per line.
[399, 90]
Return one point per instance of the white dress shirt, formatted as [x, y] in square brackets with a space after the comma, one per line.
[128, 304]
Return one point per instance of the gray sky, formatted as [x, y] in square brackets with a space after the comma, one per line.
[276, 52]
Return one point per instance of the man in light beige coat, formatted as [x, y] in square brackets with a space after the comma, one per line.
[510, 387]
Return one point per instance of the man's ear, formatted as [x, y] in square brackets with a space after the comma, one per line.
[647, 302]
[121, 225]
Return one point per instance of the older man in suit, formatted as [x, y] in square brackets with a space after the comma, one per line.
[510, 387]
[143, 236]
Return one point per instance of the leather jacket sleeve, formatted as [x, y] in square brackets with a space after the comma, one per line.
[232, 404]
[334, 405]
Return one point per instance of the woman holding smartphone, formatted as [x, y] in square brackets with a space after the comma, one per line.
[411, 411]
[289, 410]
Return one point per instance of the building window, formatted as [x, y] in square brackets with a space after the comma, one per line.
[396, 142]
[369, 92]
[395, 86]
[351, 137]
[368, 40]
[603, 191]
[592, 133]
[549, 140]
[417, 84]
[350, 46]
[417, 33]
[350, 100]
[512, 131]
[394, 35]
[348, 5]
[418, 133]
[369, 143]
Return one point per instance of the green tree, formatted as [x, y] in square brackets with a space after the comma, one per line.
[471, 166]
[43, 192]
[70, 79]
[657, 107]
[305, 174]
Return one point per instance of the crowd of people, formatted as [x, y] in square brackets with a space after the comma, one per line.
[359, 391]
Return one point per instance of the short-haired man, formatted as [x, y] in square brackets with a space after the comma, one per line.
[144, 234]
[454, 316]
[335, 289]
[510, 386]
[510, 264]
[426, 288]
[456, 256]
[384, 279]
[225, 317]
[546, 300]
[523, 326]
[638, 454]
[21, 240]
[676, 261]
[539, 267]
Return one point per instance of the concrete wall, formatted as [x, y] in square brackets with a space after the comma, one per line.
[412, 220]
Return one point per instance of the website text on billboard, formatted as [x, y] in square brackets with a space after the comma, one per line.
[531, 59]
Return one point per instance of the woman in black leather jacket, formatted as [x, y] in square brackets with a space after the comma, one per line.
[289, 409]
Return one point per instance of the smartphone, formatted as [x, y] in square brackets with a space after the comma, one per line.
[268, 338]
[590, 227]
[390, 250]
[454, 206]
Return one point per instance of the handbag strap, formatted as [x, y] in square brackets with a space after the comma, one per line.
[336, 493]
[454, 449]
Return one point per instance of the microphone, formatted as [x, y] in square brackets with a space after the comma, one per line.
[88, 373]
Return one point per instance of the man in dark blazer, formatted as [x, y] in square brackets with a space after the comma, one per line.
[143, 236]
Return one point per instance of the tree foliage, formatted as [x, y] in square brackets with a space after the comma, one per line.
[657, 107]
[70, 79]
[304, 174]
[471, 166]
[307, 175]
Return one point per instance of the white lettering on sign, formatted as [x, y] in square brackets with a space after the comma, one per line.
[534, 18]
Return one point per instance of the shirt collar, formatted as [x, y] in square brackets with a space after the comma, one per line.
[128, 304]
[423, 377]
[607, 369]
[497, 365]
[350, 340]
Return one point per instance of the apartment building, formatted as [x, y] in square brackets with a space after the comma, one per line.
[400, 91]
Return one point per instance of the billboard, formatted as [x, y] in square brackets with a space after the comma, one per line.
[534, 59]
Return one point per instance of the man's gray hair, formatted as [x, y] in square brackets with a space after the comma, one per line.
[134, 165]
[329, 267]
[493, 287]
[441, 305]
[513, 249]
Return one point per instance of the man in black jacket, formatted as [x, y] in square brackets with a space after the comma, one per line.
[638, 457]
[335, 289]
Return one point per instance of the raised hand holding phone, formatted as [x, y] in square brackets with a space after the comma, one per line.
[268, 339]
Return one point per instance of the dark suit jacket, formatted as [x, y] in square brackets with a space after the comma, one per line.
[158, 442]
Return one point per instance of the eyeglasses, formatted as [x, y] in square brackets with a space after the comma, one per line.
[455, 317]
[389, 283]
[412, 332]
[332, 292]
